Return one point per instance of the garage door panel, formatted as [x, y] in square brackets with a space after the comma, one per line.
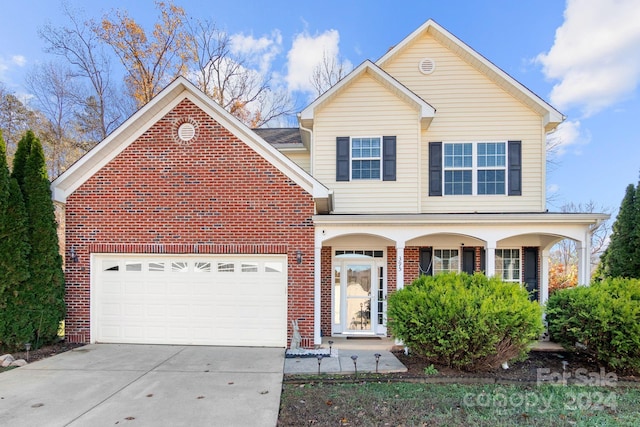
[214, 300]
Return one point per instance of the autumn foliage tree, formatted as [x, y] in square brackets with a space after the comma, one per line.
[153, 59]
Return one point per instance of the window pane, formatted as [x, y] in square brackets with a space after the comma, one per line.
[133, 266]
[508, 264]
[366, 169]
[249, 267]
[273, 267]
[225, 267]
[491, 182]
[179, 266]
[110, 266]
[445, 260]
[457, 182]
[202, 267]
[156, 266]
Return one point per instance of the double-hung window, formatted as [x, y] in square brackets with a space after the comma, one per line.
[365, 158]
[445, 261]
[508, 264]
[474, 168]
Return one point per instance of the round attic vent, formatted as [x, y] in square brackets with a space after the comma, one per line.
[186, 132]
[427, 66]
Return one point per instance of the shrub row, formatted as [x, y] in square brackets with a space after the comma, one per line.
[464, 321]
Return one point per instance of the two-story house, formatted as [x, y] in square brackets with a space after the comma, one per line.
[186, 227]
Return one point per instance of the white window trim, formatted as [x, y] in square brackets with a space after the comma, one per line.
[351, 159]
[474, 168]
[519, 280]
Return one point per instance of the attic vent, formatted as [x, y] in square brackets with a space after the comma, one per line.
[186, 132]
[427, 66]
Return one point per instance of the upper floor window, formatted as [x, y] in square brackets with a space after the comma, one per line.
[475, 168]
[365, 158]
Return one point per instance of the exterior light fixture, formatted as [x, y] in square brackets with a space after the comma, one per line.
[355, 363]
[73, 255]
[377, 356]
[299, 257]
[27, 347]
[319, 362]
[330, 344]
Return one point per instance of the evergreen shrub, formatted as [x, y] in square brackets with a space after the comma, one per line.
[602, 319]
[463, 321]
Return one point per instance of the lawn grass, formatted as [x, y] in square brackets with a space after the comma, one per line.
[419, 404]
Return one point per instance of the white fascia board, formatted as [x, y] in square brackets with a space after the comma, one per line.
[426, 110]
[552, 117]
[472, 218]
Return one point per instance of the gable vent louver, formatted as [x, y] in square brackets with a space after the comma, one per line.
[427, 66]
[186, 132]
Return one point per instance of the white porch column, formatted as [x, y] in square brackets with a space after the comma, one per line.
[317, 294]
[399, 265]
[491, 258]
[584, 263]
[544, 279]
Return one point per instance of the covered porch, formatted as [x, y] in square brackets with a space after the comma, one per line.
[363, 258]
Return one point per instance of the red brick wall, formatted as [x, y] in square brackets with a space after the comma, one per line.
[391, 269]
[411, 263]
[213, 195]
[325, 289]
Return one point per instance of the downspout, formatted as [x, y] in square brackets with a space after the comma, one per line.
[317, 263]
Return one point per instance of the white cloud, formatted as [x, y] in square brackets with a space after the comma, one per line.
[306, 53]
[595, 57]
[19, 60]
[568, 135]
[553, 189]
[259, 51]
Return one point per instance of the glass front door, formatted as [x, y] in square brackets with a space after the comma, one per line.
[358, 295]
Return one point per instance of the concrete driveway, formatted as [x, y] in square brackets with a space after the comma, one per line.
[146, 385]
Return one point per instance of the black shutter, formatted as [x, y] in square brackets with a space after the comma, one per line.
[515, 168]
[435, 169]
[342, 158]
[388, 158]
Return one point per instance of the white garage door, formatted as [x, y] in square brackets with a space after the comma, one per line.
[194, 299]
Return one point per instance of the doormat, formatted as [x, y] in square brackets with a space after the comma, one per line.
[364, 338]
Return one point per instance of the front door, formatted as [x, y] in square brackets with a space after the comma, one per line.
[358, 296]
[531, 272]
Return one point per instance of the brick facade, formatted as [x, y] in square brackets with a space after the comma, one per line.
[213, 195]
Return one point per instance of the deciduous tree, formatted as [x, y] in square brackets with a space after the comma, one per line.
[150, 60]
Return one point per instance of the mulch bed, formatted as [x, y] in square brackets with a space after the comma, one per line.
[44, 351]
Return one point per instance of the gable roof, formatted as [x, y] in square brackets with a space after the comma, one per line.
[427, 112]
[552, 117]
[158, 107]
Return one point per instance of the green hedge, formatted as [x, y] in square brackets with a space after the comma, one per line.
[602, 319]
[463, 321]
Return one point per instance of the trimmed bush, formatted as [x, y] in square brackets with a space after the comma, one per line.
[602, 319]
[465, 322]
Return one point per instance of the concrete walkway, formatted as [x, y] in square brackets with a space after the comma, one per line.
[340, 361]
[146, 385]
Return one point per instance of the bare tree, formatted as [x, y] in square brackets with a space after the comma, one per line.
[229, 80]
[83, 50]
[151, 61]
[15, 119]
[56, 98]
[328, 72]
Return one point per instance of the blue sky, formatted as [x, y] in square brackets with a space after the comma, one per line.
[582, 56]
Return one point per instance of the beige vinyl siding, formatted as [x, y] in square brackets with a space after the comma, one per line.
[366, 108]
[469, 108]
[301, 158]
